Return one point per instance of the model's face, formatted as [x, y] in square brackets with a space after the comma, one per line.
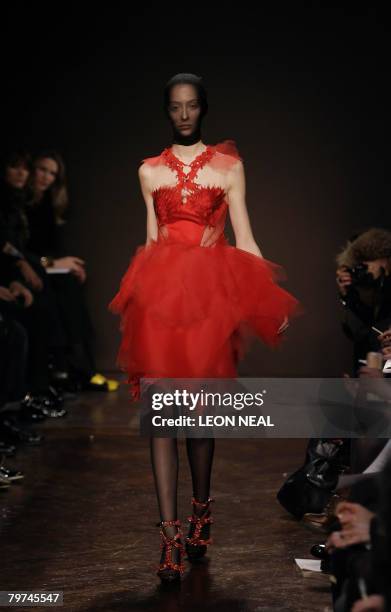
[375, 267]
[45, 173]
[184, 109]
[16, 176]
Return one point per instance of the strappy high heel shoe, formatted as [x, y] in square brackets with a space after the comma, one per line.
[198, 538]
[169, 570]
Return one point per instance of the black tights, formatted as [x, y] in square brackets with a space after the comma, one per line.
[164, 457]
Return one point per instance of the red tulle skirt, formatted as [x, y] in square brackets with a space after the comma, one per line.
[191, 312]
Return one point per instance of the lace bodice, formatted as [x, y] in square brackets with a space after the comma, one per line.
[189, 200]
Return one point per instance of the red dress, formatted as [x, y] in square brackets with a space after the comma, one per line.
[189, 302]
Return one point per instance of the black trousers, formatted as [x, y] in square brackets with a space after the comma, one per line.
[13, 358]
[76, 329]
[71, 332]
[34, 320]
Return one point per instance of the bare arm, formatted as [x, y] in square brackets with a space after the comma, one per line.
[244, 238]
[241, 225]
[144, 174]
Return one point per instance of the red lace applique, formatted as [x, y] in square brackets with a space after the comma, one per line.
[185, 180]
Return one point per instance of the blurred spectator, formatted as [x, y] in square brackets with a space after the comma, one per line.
[47, 211]
[28, 304]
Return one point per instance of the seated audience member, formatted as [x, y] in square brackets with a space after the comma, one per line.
[47, 211]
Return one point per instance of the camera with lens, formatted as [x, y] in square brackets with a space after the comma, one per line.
[361, 276]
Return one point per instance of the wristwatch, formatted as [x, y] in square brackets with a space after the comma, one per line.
[46, 262]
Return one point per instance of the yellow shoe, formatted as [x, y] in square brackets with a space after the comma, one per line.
[106, 384]
[98, 379]
[112, 384]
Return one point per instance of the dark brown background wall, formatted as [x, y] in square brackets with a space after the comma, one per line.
[303, 95]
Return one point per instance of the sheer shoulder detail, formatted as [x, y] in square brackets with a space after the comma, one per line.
[226, 155]
[228, 147]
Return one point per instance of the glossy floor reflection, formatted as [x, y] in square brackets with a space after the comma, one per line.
[83, 521]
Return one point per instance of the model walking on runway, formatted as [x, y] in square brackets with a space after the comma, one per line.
[190, 302]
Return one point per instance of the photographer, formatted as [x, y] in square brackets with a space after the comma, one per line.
[364, 283]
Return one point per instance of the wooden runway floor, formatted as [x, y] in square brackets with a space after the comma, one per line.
[83, 521]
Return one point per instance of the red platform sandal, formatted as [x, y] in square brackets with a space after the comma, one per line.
[169, 570]
[198, 537]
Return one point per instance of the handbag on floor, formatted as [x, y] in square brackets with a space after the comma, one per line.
[310, 487]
